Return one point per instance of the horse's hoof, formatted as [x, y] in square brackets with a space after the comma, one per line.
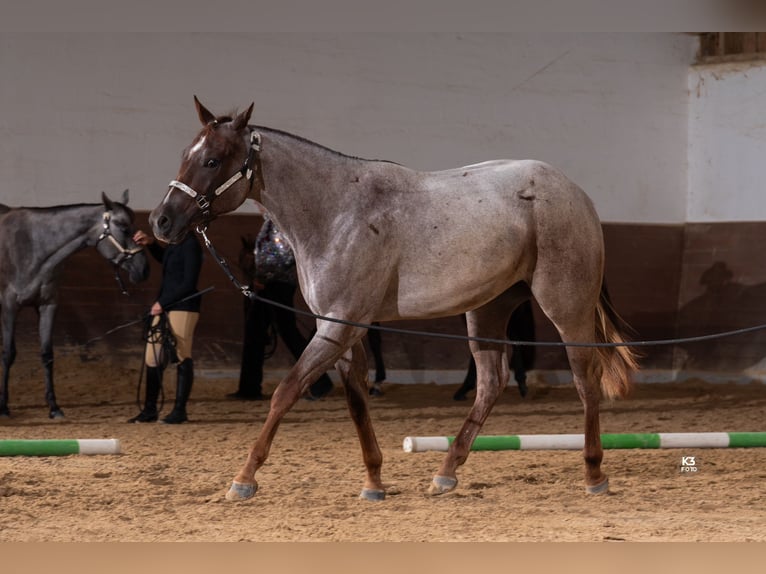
[56, 414]
[442, 485]
[240, 491]
[602, 488]
[372, 494]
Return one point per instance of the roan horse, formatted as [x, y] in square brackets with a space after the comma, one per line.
[34, 241]
[376, 241]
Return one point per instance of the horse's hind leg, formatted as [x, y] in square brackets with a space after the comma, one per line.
[575, 321]
[492, 375]
[352, 367]
[47, 314]
[586, 374]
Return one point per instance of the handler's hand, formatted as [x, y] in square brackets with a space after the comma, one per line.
[142, 238]
[156, 308]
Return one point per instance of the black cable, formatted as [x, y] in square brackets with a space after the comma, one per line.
[247, 292]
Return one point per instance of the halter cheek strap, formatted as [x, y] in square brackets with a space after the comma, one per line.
[247, 171]
[106, 233]
[124, 253]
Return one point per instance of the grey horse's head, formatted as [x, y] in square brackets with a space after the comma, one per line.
[115, 242]
[202, 188]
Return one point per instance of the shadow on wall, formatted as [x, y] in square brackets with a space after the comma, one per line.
[726, 305]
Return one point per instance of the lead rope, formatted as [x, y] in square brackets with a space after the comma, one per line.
[164, 348]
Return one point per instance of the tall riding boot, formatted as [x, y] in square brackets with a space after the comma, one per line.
[183, 390]
[153, 382]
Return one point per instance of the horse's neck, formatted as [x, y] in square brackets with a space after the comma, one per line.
[65, 232]
[305, 187]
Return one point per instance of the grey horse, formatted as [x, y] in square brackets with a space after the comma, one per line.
[377, 241]
[34, 242]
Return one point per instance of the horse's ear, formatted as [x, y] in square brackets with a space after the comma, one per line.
[241, 120]
[125, 197]
[205, 116]
[107, 202]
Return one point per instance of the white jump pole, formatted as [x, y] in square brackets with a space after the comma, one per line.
[608, 441]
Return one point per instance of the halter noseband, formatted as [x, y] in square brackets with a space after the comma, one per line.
[247, 171]
[124, 253]
[106, 233]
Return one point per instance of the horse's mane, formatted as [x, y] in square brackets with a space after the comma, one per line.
[308, 142]
[229, 118]
[53, 209]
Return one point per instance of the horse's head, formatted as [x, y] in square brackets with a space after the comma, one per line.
[115, 242]
[215, 176]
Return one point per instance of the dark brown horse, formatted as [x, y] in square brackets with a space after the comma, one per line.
[376, 241]
[34, 242]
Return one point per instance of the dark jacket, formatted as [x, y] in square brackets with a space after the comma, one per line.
[181, 265]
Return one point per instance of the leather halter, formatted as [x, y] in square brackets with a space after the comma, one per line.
[106, 233]
[247, 171]
[123, 255]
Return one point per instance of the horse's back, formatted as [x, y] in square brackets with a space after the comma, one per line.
[470, 233]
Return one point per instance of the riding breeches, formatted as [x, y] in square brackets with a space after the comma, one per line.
[182, 325]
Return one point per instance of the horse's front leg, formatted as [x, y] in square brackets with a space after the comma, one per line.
[8, 320]
[47, 314]
[352, 367]
[322, 352]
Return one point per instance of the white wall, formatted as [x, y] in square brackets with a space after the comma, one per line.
[727, 142]
[84, 113]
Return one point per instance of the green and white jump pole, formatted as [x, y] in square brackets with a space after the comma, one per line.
[608, 441]
[59, 447]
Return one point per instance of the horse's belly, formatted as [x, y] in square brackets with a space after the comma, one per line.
[450, 292]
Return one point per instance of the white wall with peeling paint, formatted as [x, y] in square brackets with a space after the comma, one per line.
[727, 142]
[81, 113]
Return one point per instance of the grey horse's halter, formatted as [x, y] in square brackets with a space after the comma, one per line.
[247, 171]
[123, 253]
[106, 233]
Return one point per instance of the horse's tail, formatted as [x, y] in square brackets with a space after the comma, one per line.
[617, 363]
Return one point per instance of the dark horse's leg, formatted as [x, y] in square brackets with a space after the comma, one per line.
[47, 314]
[493, 375]
[324, 350]
[469, 382]
[8, 314]
[287, 327]
[522, 327]
[257, 318]
[374, 338]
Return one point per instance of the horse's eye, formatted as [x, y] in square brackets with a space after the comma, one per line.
[212, 162]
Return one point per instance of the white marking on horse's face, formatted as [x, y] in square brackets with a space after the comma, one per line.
[197, 146]
[167, 196]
